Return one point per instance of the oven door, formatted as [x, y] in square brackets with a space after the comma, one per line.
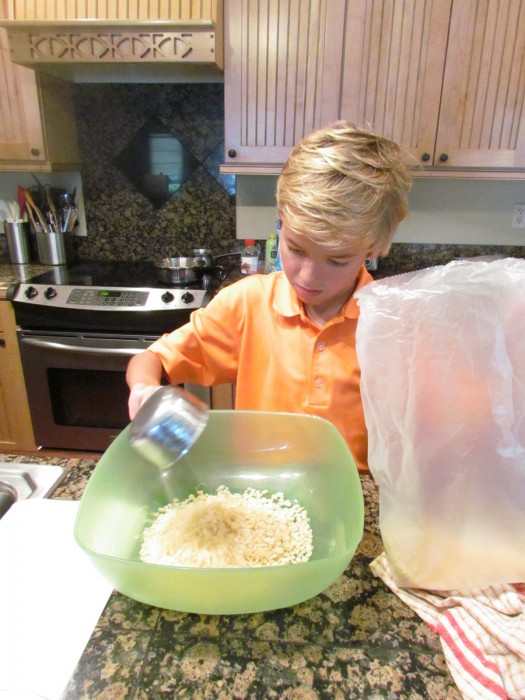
[76, 386]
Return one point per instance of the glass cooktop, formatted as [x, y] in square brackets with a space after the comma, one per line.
[105, 274]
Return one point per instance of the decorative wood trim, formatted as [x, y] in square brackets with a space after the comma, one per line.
[116, 42]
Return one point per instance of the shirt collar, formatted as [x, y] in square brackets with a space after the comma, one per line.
[287, 304]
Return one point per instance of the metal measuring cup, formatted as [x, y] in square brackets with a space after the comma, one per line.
[167, 425]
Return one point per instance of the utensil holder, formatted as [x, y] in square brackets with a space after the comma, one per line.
[52, 248]
[17, 241]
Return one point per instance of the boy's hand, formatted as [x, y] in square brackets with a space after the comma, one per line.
[138, 396]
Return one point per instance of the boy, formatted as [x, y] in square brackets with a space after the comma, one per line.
[287, 339]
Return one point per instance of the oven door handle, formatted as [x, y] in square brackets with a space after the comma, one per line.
[63, 347]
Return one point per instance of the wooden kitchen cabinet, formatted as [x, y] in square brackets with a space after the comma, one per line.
[16, 431]
[444, 79]
[113, 10]
[37, 122]
[277, 56]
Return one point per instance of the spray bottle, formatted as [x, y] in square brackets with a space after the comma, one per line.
[278, 264]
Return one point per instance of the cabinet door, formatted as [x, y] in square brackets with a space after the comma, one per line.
[21, 136]
[16, 431]
[393, 69]
[283, 59]
[37, 121]
[482, 117]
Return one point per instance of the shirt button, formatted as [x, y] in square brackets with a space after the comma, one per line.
[318, 382]
[321, 346]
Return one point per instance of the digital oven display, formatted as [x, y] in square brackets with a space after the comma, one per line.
[107, 297]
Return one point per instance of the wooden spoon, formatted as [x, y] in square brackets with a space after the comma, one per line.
[35, 210]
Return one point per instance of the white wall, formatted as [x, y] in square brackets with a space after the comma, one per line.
[256, 210]
[442, 211]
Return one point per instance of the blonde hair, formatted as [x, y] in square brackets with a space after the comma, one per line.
[343, 184]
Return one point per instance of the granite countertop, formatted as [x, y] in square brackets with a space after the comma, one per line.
[355, 640]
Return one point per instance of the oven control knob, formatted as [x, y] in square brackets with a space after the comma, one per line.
[50, 293]
[167, 297]
[31, 293]
[187, 298]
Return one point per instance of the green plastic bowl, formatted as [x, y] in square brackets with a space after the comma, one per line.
[304, 457]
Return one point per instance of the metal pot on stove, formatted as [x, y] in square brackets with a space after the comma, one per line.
[205, 259]
[179, 270]
[185, 270]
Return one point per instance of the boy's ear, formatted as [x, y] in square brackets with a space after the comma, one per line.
[374, 253]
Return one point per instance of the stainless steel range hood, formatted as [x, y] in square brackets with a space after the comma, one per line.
[124, 51]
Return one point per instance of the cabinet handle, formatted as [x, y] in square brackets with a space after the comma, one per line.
[2, 343]
[35, 151]
[425, 157]
[232, 153]
[443, 157]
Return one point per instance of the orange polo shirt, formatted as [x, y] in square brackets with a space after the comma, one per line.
[256, 335]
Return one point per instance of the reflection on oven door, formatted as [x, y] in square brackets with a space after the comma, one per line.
[76, 386]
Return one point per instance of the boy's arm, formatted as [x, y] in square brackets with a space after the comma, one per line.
[143, 376]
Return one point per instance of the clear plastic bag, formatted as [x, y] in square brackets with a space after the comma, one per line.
[442, 356]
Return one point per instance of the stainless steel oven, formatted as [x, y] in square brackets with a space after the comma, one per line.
[76, 337]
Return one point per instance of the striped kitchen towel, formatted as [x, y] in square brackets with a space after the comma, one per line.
[482, 633]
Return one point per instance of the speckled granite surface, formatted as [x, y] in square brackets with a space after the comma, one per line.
[122, 223]
[356, 640]
[407, 257]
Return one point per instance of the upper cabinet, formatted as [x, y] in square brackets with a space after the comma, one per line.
[37, 124]
[129, 10]
[277, 58]
[444, 79]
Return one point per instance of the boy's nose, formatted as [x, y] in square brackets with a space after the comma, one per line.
[309, 272]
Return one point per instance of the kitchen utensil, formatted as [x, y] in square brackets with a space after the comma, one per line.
[64, 206]
[179, 270]
[21, 196]
[8, 210]
[34, 212]
[302, 456]
[31, 215]
[167, 425]
[57, 227]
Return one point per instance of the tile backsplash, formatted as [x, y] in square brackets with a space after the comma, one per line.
[122, 223]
